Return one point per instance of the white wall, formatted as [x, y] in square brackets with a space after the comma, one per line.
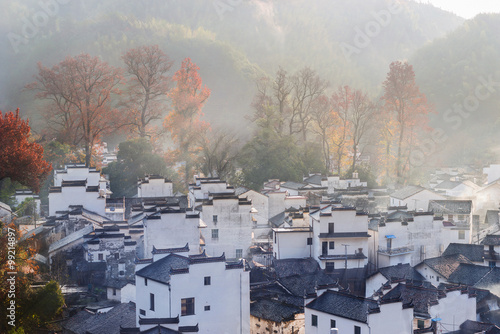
[276, 202]
[295, 202]
[228, 296]
[288, 244]
[173, 230]
[418, 201]
[155, 187]
[76, 174]
[60, 201]
[343, 325]
[454, 309]
[492, 172]
[392, 319]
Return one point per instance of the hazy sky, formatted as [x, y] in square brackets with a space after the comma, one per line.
[466, 8]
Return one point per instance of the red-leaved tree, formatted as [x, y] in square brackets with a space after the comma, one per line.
[184, 121]
[20, 158]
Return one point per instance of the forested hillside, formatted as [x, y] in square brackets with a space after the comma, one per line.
[233, 43]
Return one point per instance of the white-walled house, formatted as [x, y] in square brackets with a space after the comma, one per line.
[391, 275]
[414, 197]
[351, 314]
[229, 225]
[120, 290]
[172, 228]
[193, 293]
[154, 186]
[492, 173]
[457, 188]
[340, 237]
[204, 186]
[22, 194]
[77, 172]
[438, 269]
[292, 243]
[76, 193]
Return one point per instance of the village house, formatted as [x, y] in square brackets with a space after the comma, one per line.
[459, 189]
[23, 194]
[414, 197]
[358, 315]
[154, 186]
[491, 250]
[438, 269]
[387, 277]
[192, 293]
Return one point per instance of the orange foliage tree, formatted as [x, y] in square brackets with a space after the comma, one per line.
[184, 120]
[81, 89]
[20, 158]
[148, 88]
[404, 103]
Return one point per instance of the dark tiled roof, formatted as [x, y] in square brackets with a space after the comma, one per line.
[446, 265]
[300, 285]
[159, 329]
[343, 305]
[122, 315]
[313, 179]
[450, 206]
[278, 219]
[158, 321]
[291, 267]
[406, 192]
[472, 327]
[401, 271]
[160, 270]
[171, 250]
[420, 296]
[293, 185]
[491, 240]
[448, 185]
[274, 310]
[491, 279]
[75, 183]
[116, 283]
[472, 252]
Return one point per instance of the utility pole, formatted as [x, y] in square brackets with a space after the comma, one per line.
[345, 255]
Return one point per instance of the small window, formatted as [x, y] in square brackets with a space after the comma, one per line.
[114, 291]
[207, 308]
[142, 312]
[207, 280]
[331, 228]
[117, 256]
[215, 234]
[146, 282]
[151, 302]
[331, 245]
[309, 241]
[357, 330]
[437, 278]
[215, 218]
[101, 257]
[333, 324]
[314, 320]
[461, 235]
[239, 253]
[420, 324]
[187, 306]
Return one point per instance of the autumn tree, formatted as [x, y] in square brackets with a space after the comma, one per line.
[341, 104]
[404, 103]
[148, 68]
[324, 122]
[81, 89]
[21, 159]
[184, 121]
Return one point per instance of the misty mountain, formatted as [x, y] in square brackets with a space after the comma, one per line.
[460, 74]
[233, 42]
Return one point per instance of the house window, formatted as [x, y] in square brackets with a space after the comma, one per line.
[114, 291]
[330, 228]
[215, 234]
[420, 324]
[151, 302]
[333, 324]
[101, 257]
[437, 278]
[314, 320]
[207, 308]
[357, 330]
[215, 218]
[461, 235]
[117, 256]
[207, 280]
[331, 245]
[389, 243]
[146, 282]
[239, 253]
[187, 306]
[142, 312]
[309, 241]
